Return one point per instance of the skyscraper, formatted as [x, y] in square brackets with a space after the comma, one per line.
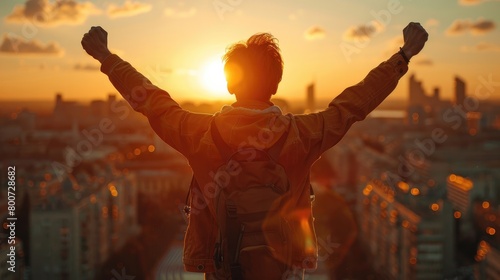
[459, 90]
[310, 98]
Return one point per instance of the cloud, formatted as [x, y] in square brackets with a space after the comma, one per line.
[432, 22]
[45, 13]
[315, 33]
[363, 32]
[482, 47]
[180, 12]
[17, 46]
[482, 26]
[474, 2]
[86, 67]
[461, 26]
[458, 27]
[129, 8]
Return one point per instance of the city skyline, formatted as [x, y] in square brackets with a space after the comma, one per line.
[415, 196]
[92, 190]
[40, 51]
[417, 94]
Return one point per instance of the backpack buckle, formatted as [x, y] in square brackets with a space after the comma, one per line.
[218, 257]
[231, 209]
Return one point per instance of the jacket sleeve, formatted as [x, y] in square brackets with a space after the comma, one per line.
[179, 128]
[324, 129]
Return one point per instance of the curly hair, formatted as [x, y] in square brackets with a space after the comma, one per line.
[254, 68]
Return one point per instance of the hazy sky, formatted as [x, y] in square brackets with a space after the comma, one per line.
[178, 44]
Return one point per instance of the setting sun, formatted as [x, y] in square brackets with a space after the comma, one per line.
[213, 79]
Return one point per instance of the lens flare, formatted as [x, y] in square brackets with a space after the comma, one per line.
[213, 79]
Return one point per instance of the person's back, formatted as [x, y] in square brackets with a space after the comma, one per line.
[253, 71]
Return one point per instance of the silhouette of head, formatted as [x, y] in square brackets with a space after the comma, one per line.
[254, 68]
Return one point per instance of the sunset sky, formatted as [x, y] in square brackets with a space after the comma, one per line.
[178, 44]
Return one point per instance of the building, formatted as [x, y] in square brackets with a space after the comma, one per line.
[474, 123]
[418, 95]
[408, 240]
[158, 169]
[16, 269]
[488, 257]
[118, 112]
[424, 108]
[417, 215]
[19, 269]
[310, 98]
[460, 193]
[81, 224]
[154, 182]
[460, 87]
[81, 208]
[66, 112]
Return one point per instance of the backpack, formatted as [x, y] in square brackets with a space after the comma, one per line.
[254, 238]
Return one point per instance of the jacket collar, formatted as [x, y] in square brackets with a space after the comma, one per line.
[253, 104]
[252, 107]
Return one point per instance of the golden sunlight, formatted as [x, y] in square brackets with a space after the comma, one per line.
[213, 79]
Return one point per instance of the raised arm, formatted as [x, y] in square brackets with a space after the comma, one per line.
[177, 127]
[95, 43]
[356, 102]
[359, 100]
[414, 36]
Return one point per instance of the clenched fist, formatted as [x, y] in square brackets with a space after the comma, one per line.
[415, 37]
[95, 43]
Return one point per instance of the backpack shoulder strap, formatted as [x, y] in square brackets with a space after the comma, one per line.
[222, 147]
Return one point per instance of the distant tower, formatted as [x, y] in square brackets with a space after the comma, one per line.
[58, 106]
[412, 98]
[310, 98]
[436, 93]
[459, 90]
[416, 92]
[111, 98]
[58, 98]
[418, 99]
[58, 101]
[110, 106]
